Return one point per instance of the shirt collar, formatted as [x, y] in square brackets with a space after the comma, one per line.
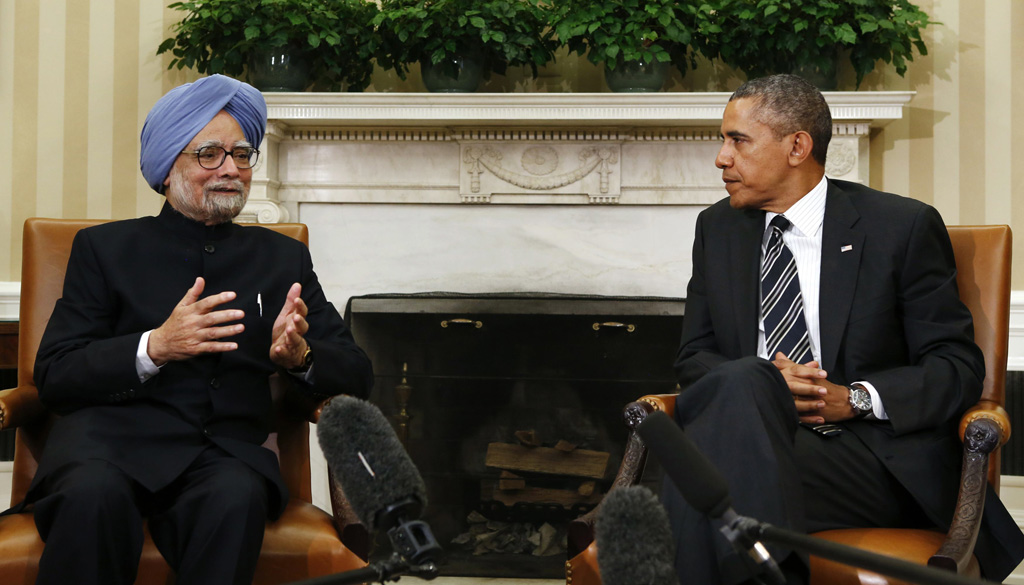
[808, 213]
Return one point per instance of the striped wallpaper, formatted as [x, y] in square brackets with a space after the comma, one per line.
[78, 76]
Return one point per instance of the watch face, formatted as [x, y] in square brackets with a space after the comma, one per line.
[860, 400]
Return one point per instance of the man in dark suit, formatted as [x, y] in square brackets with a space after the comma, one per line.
[826, 357]
[158, 356]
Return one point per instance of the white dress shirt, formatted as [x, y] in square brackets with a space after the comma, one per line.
[803, 239]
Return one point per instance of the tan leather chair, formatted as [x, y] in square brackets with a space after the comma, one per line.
[983, 277]
[303, 543]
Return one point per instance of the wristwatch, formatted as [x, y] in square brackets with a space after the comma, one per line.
[307, 361]
[860, 400]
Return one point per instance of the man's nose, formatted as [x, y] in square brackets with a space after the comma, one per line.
[229, 168]
[724, 159]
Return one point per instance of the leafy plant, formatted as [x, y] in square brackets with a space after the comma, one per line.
[334, 36]
[761, 37]
[506, 32]
[628, 30]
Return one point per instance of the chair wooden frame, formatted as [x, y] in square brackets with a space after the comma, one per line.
[983, 277]
[305, 542]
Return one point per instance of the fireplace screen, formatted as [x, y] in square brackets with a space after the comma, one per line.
[511, 407]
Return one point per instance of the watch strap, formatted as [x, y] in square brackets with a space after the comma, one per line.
[307, 361]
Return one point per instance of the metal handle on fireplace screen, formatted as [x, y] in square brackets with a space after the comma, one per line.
[477, 324]
[629, 328]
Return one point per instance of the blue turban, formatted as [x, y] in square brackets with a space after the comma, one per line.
[181, 114]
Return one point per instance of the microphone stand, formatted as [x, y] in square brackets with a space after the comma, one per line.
[848, 555]
[389, 570]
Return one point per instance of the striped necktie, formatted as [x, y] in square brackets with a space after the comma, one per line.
[782, 305]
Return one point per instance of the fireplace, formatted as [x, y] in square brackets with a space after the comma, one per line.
[510, 406]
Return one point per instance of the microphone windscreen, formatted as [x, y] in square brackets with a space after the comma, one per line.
[367, 458]
[634, 540]
[697, 479]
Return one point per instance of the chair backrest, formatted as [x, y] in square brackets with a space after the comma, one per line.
[983, 256]
[46, 246]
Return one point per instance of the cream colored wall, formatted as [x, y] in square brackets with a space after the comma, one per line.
[78, 76]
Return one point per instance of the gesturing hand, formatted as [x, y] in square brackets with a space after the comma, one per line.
[288, 345]
[194, 327]
[817, 400]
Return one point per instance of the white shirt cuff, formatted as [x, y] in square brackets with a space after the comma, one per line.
[877, 408]
[144, 365]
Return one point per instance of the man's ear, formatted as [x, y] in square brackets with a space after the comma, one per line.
[801, 145]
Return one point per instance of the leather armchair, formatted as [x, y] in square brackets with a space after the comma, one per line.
[983, 277]
[305, 542]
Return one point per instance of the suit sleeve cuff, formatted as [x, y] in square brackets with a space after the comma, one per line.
[877, 408]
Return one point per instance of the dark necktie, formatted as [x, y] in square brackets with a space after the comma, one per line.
[782, 305]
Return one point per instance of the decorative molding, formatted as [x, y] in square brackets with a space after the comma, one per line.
[490, 168]
[263, 210]
[577, 109]
[1015, 363]
[10, 295]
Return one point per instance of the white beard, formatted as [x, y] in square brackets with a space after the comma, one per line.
[214, 207]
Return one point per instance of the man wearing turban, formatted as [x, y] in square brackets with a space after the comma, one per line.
[158, 357]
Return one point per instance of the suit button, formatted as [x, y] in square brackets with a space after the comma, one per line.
[209, 248]
[207, 432]
[215, 383]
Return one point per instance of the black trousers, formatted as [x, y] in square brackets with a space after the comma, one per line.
[742, 417]
[208, 523]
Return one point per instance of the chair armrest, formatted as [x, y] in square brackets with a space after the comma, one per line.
[19, 407]
[987, 409]
[983, 431]
[631, 470]
[352, 532]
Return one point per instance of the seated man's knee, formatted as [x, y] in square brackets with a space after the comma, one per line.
[94, 494]
[95, 484]
[236, 490]
[733, 386]
[745, 375]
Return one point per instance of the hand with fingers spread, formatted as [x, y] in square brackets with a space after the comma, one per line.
[195, 327]
[817, 400]
[289, 345]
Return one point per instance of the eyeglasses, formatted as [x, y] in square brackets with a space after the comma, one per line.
[212, 157]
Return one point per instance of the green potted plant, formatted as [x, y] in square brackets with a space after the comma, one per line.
[628, 37]
[456, 42]
[323, 44]
[808, 37]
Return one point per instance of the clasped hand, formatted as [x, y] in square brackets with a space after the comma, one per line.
[817, 400]
[196, 327]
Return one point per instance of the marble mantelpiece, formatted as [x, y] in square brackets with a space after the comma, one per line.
[632, 149]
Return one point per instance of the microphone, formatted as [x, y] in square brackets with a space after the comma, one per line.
[708, 493]
[634, 541]
[379, 479]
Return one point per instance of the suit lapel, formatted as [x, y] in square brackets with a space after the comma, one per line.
[745, 255]
[841, 248]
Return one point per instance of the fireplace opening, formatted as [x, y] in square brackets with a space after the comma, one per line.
[510, 405]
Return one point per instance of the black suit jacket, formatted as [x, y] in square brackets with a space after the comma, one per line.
[124, 278]
[890, 314]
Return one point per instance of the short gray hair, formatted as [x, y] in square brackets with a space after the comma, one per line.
[788, 103]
